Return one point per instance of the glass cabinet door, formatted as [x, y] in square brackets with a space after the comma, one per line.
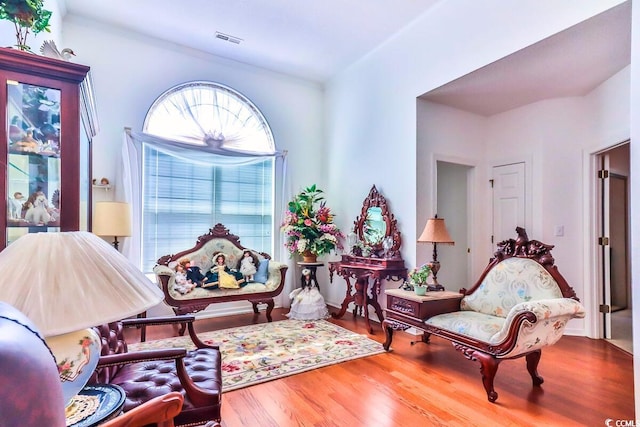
[44, 164]
[33, 173]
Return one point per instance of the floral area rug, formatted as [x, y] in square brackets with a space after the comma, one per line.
[257, 353]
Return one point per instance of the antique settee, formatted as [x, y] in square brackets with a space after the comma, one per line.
[269, 279]
[520, 304]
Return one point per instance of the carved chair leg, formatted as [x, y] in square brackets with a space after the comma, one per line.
[488, 368]
[182, 329]
[533, 359]
[255, 307]
[270, 305]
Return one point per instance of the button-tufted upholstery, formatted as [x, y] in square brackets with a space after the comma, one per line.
[144, 375]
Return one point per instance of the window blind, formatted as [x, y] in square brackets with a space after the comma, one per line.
[183, 200]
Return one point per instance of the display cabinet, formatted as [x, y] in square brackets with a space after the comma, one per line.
[44, 173]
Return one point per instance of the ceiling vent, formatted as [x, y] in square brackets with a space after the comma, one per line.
[227, 37]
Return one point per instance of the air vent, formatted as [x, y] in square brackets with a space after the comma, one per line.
[228, 38]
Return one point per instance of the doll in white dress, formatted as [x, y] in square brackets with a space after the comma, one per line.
[182, 284]
[248, 265]
[307, 303]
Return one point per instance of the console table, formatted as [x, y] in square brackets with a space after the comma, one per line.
[366, 271]
[405, 310]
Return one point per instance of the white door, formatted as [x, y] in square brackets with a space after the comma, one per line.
[508, 200]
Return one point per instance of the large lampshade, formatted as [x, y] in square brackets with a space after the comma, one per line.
[66, 283]
[72, 280]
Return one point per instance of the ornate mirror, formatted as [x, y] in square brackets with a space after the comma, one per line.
[375, 232]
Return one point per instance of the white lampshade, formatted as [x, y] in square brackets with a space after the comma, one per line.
[66, 283]
[72, 280]
[112, 219]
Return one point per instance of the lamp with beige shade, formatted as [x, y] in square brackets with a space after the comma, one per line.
[435, 231]
[112, 219]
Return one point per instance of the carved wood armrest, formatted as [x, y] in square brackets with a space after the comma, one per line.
[169, 320]
[141, 356]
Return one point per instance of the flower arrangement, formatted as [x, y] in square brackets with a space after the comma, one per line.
[418, 276]
[308, 224]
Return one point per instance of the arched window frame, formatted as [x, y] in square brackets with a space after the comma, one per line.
[202, 145]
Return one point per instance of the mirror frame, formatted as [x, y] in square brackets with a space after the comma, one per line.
[375, 199]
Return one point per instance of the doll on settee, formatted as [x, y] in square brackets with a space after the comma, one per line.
[221, 276]
[182, 284]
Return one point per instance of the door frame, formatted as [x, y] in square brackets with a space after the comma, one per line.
[593, 296]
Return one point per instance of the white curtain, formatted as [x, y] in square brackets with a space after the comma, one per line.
[128, 186]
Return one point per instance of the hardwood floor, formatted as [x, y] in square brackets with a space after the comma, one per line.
[586, 382]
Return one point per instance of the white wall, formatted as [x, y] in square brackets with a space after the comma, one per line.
[372, 103]
[130, 71]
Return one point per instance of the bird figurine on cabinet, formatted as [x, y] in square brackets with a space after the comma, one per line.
[50, 50]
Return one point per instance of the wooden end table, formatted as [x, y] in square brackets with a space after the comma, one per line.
[407, 310]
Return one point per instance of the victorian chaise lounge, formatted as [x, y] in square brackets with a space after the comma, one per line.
[520, 304]
[268, 281]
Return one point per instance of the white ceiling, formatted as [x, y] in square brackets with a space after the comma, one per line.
[311, 39]
[316, 39]
[570, 63]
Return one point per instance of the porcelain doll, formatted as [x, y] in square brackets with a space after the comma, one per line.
[193, 273]
[247, 265]
[182, 284]
[307, 303]
[220, 275]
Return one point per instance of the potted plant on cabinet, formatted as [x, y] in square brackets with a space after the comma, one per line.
[27, 16]
[418, 279]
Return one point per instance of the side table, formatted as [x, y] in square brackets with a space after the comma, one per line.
[95, 404]
[407, 310]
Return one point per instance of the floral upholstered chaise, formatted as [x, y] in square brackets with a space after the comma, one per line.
[267, 283]
[520, 304]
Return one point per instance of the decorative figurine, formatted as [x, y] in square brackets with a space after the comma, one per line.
[220, 275]
[15, 205]
[307, 303]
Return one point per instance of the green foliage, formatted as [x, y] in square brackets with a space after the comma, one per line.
[28, 16]
[418, 276]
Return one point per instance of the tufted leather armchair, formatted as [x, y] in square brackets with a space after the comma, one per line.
[147, 374]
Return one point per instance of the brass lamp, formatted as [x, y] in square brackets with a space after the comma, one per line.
[112, 219]
[435, 231]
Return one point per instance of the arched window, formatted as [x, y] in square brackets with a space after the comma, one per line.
[208, 156]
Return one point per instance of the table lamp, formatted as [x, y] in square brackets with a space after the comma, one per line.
[67, 282]
[435, 231]
[112, 219]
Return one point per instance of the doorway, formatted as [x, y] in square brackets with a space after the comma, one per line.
[613, 254]
[454, 204]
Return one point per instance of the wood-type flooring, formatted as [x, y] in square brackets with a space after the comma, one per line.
[586, 382]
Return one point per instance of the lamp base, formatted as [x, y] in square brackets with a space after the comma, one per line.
[435, 287]
[77, 355]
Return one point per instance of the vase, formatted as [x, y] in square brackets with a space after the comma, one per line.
[420, 289]
[308, 256]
